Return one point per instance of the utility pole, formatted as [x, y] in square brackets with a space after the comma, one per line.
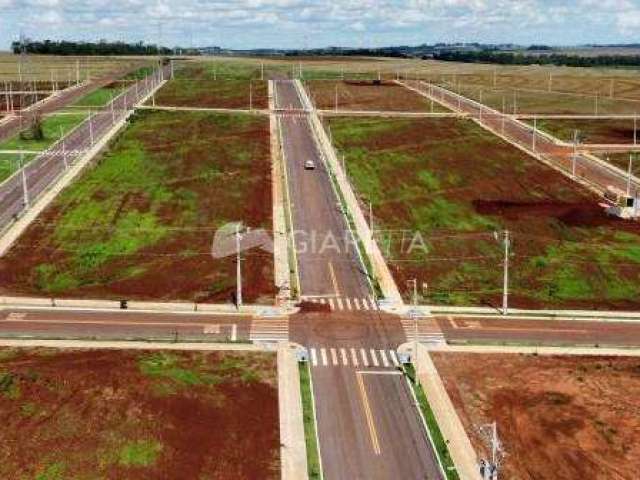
[250, 95]
[90, 128]
[504, 112]
[535, 128]
[489, 469]
[238, 269]
[261, 70]
[596, 104]
[25, 190]
[575, 153]
[336, 103]
[64, 152]
[515, 101]
[505, 280]
[635, 129]
[629, 175]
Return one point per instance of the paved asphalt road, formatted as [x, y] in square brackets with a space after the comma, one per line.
[368, 425]
[41, 172]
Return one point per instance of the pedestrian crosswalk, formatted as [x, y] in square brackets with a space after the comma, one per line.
[345, 303]
[427, 331]
[353, 357]
[269, 329]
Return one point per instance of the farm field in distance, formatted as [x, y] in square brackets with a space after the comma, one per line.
[557, 416]
[365, 95]
[541, 102]
[115, 414]
[214, 85]
[605, 131]
[140, 223]
[457, 185]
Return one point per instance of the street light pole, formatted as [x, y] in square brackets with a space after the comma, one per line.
[238, 269]
[25, 191]
[629, 175]
[505, 284]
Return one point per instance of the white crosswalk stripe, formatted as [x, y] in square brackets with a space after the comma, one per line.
[365, 360]
[374, 359]
[348, 303]
[323, 353]
[385, 362]
[339, 302]
[331, 303]
[354, 357]
[356, 302]
[394, 358]
[269, 329]
[334, 357]
[314, 357]
[343, 354]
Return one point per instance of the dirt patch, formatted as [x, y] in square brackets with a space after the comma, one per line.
[609, 131]
[138, 415]
[367, 95]
[209, 93]
[569, 417]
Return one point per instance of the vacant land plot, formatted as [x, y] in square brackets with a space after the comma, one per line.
[138, 415]
[576, 418]
[100, 97]
[525, 102]
[140, 224]
[365, 95]
[215, 85]
[442, 188]
[609, 131]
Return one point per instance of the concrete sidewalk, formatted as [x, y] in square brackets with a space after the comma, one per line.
[293, 449]
[131, 345]
[589, 351]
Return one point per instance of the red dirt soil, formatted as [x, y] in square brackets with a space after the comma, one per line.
[361, 95]
[559, 417]
[82, 407]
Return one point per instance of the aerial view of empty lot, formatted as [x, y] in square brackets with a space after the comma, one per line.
[558, 416]
[465, 184]
[140, 224]
[319, 241]
[117, 414]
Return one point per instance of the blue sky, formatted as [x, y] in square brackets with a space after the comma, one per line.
[316, 23]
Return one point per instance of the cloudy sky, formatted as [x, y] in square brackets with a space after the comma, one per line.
[316, 23]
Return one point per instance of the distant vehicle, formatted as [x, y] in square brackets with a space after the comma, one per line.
[309, 165]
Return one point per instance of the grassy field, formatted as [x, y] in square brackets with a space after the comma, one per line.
[589, 131]
[99, 98]
[64, 68]
[527, 102]
[115, 414]
[440, 188]
[570, 417]
[361, 95]
[215, 85]
[140, 224]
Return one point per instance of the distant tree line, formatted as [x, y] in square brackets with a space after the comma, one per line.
[509, 58]
[63, 47]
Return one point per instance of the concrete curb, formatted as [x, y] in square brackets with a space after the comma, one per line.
[131, 345]
[293, 448]
[460, 447]
[381, 271]
[587, 351]
[22, 303]
[605, 315]
[282, 269]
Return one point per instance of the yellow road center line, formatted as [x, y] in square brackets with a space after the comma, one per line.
[333, 279]
[373, 434]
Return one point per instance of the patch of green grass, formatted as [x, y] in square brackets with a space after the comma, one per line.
[9, 387]
[51, 127]
[29, 409]
[141, 453]
[167, 366]
[442, 450]
[308, 414]
[98, 98]
[54, 471]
